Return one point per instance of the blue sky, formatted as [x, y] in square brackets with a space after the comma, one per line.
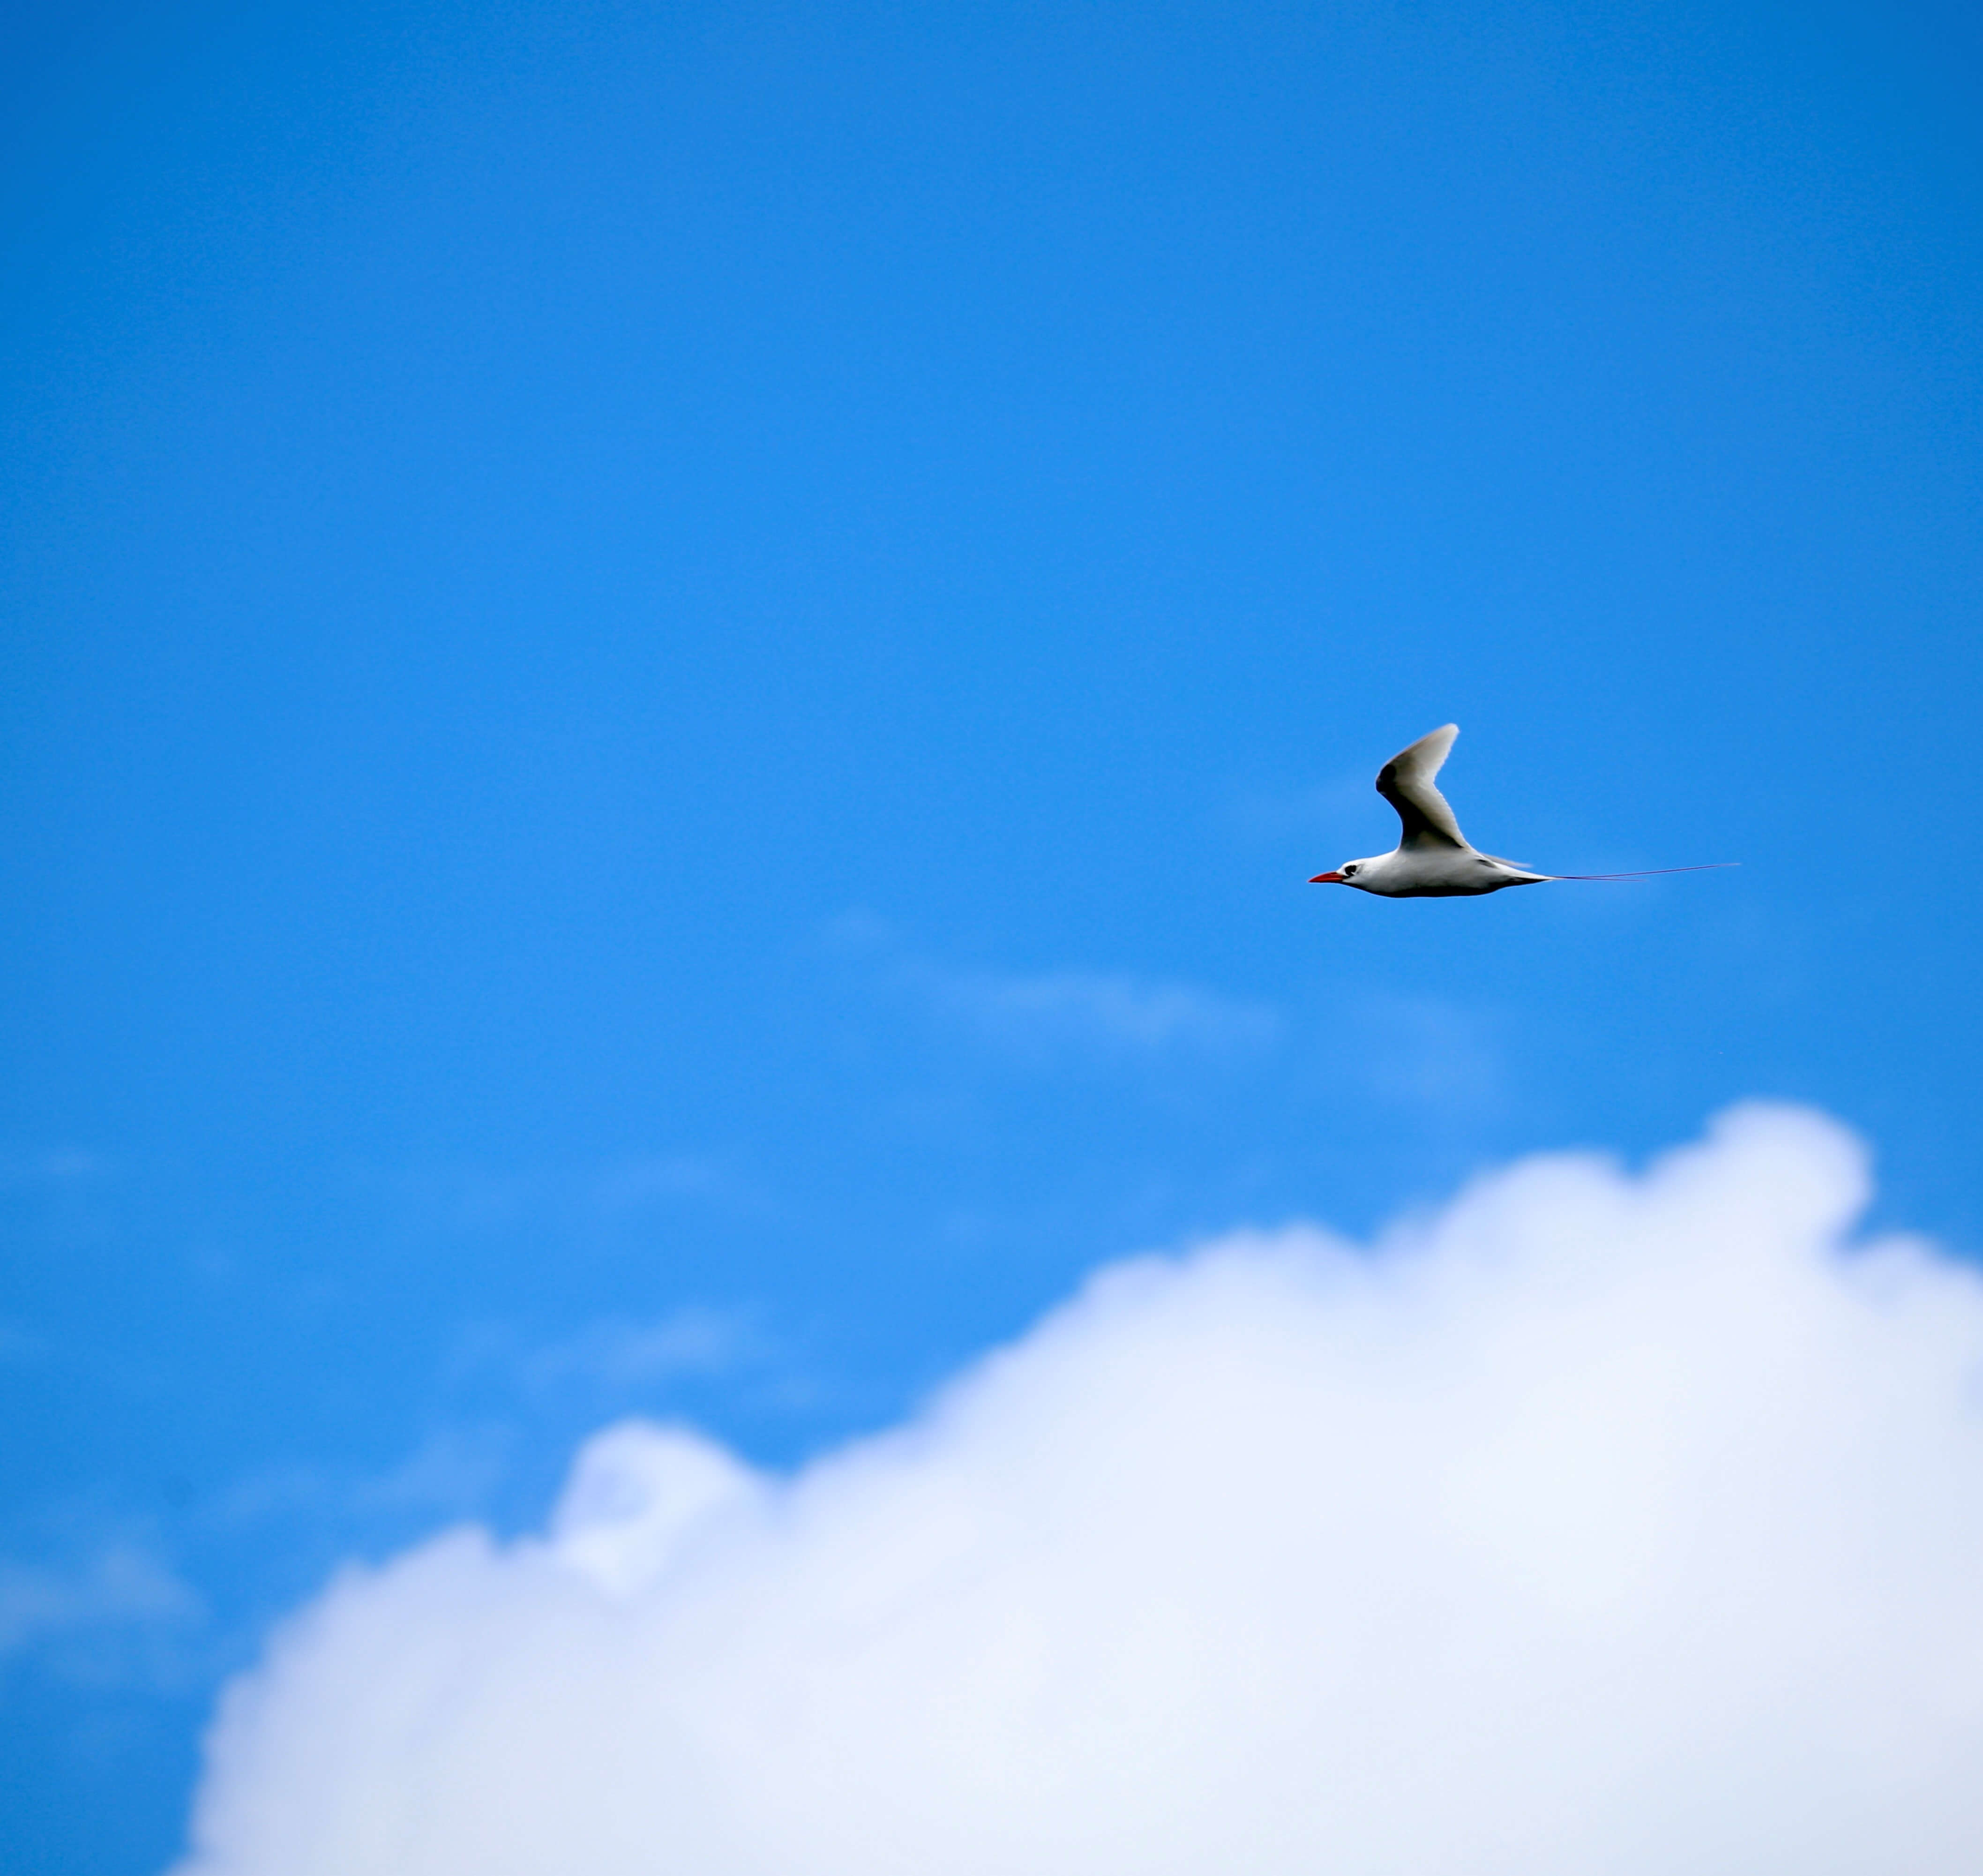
[671, 673]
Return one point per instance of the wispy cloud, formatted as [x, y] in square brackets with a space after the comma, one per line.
[1338, 809]
[1069, 1014]
[50, 1166]
[1095, 1011]
[475, 1200]
[451, 1472]
[661, 1178]
[618, 1353]
[1440, 1058]
[117, 1614]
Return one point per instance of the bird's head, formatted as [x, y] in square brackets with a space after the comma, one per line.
[1344, 875]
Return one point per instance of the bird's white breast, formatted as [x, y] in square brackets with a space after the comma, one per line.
[1429, 873]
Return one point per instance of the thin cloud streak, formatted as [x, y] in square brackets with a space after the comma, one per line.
[118, 1615]
[618, 1353]
[1065, 1016]
[1102, 1011]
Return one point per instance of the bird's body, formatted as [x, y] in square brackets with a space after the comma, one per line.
[1454, 873]
[1433, 860]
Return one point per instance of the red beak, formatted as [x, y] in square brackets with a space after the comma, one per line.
[1326, 879]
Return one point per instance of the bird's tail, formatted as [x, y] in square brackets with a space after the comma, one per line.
[1712, 866]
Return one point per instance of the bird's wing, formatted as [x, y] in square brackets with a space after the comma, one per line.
[1406, 781]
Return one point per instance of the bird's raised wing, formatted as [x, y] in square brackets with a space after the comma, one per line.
[1406, 781]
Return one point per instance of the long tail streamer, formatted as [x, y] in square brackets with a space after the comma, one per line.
[1713, 866]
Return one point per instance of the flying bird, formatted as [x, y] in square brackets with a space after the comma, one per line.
[1433, 859]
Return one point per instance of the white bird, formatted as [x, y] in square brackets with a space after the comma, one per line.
[1433, 859]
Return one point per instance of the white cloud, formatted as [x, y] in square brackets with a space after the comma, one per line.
[1600, 1524]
